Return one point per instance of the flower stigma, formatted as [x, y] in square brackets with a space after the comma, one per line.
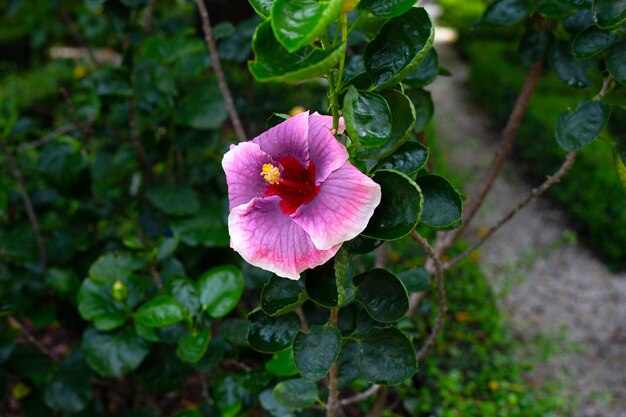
[271, 173]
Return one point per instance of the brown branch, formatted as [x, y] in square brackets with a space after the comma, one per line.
[379, 403]
[506, 142]
[606, 86]
[134, 138]
[534, 194]
[48, 138]
[74, 116]
[13, 322]
[361, 396]
[148, 17]
[30, 211]
[381, 256]
[303, 323]
[219, 73]
[333, 405]
[441, 292]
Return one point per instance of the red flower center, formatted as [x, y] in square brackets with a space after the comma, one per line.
[296, 185]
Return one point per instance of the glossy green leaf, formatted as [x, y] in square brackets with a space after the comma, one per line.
[297, 23]
[576, 129]
[443, 206]
[367, 117]
[161, 311]
[579, 21]
[616, 62]
[175, 200]
[192, 347]
[502, 13]
[593, 41]
[262, 7]
[282, 364]
[387, 8]
[325, 283]
[201, 108]
[114, 354]
[282, 295]
[402, 121]
[315, 352]
[609, 13]
[271, 406]
[534, 46]
[386, 356]
[295, 394]
[361, 245]
[415, 280]
[400, 208]
[183, 290]
[566, 67]
[96, 304]
[424, 108]
[382, 294]
[272, 334]
[69, 390]
[220, 289]
[554, 9]
[426, 72]
[273, 62]
[401, 45]
[408, 159]
[114, 266]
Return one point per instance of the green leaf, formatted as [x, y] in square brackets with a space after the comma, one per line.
[534, 46]
[201, 108]
[443, 206]
[69, 390]
[296, 394]
[62, 164]
[282, 364]
[609, 13]
[206, 229]
[192, 347]
[426, 72]
[282, 295]
[386, 356]
[324, 283]
[183, 290]
[63, 281]
[96, 304]
[502, 13]
[400, 208]
[272, 334]
[575, 130]
[262, 7]
[113, 266]
[398, 49]
[408, 159]
[402, 121]
[161, 311]
[616, 62]
[382, 294]
[297, 23]
[424, 108]
[387, 8]
[114, 354]
[566, 67]
[175, 200]
[273, 62]
[269, 404]
[367, 117]
[220, 289]
[620, 168]
[593, 41]
[415, 280]
[316, 351]
[554, 9]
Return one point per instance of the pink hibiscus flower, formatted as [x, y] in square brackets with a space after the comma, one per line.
[294, 197]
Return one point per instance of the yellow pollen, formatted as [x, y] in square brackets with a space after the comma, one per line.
[271, 173]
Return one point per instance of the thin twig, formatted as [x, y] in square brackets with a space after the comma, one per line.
[134, 138]
[606, 86]
[333, 404]
[13, 322]
[381, 256]
[48, 138]
[361, 396]
[379, 403]
[219, 73]
[148, 16]
[73, 115]
[441, 292]
[534, 194]
[303, 323]
[506, 142]
[30, 211]
[414, 301]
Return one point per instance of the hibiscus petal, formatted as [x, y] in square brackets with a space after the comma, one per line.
[243, 165]
[266, 238]
[324, 151]
[340, 211]
[288, 138]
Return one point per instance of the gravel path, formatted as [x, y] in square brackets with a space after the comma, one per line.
[551, 289]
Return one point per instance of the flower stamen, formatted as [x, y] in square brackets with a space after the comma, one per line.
[271, 174]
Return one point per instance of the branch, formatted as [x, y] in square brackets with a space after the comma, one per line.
[506, 141]
[48, 138]
[362, 396]
[441, 292]
[219, 73]
[27, 203]
[379, 403]
[148, 17]
[13, 322]
[535, 193]
[74, 116]
[606, 87]
[333, 403]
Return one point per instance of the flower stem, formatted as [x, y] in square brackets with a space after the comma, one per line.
[332, 407]
[333, 86]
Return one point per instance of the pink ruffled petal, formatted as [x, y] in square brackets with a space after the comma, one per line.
[324, 151]
[243, 165]
[341, 209]
[289, 138]
[266, 238]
